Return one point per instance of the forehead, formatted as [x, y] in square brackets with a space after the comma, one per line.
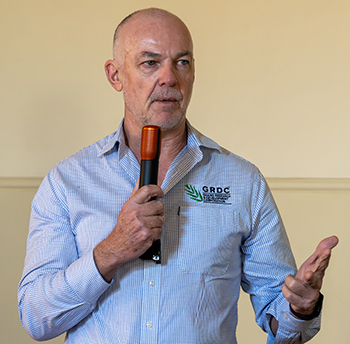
[166, 34]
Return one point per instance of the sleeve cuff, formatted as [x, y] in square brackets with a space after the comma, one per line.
[84, 278]
[288, 322]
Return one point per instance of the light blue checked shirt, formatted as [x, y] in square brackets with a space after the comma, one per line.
[222, 231]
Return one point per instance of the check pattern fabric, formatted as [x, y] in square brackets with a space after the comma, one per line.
[222, 232]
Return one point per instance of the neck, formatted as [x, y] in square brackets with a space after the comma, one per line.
[173, 141]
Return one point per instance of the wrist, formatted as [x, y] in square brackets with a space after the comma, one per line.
[313, 315]
[105, 262]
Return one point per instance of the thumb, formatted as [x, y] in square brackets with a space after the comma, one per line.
[136, 187]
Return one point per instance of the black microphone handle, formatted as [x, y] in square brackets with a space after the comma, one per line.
[149, 172]
[149, 175]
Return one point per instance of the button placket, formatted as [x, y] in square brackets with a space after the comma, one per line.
[150, 302]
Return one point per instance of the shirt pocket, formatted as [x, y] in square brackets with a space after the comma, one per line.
[205, 239]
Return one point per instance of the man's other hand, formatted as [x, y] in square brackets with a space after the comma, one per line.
[303, 290]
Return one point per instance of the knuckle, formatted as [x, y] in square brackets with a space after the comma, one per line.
[136, 213]
[160, 207]
[143, 235]
[144, 193]
[147, 188]
[161, 221]
[158, 233]
[288, 294]
[293, 283]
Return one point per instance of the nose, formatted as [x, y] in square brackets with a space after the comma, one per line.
[167, 75]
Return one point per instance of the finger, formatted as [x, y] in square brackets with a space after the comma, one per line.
[326, 244]
[322, 261]
[298, 287]
[153, 222]
[146, 236]
[295, 285]
[156, 233]
[146, 192]
[152, 208]
[136, 187]
[299, 295]
[314, 276]
[292, 297]
[329, 242]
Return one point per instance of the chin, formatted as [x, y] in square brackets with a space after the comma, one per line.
[165, 120]
[170, 123]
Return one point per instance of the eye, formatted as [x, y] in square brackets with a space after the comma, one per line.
[183, 62]
[149, 63]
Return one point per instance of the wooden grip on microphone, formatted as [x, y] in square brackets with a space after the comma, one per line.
[150, 151]
[150, 142]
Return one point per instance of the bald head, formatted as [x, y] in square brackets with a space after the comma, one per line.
[125, 27]
[153, 66]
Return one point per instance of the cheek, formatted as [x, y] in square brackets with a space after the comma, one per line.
[132, 91]
[188, 86]
[142, 89]
[137, 95]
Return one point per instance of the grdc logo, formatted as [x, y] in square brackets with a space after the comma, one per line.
[216, 190]
[209, 194]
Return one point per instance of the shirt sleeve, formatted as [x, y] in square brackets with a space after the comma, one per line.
[58, 289]
[267, 260]
[291, 329]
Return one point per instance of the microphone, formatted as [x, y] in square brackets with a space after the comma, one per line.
[150, 151]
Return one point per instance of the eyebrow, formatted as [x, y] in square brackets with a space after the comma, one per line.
[153, 55]
[184, 53]
[149, 54]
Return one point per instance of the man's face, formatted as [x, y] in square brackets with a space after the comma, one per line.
[157, 71]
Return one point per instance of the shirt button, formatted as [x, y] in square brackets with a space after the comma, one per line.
[149, 324]
[285, 315]
[152, 283]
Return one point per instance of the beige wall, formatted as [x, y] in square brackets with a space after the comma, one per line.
[272, 80]
[273, 75]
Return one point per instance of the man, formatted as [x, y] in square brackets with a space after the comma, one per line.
[218, 224]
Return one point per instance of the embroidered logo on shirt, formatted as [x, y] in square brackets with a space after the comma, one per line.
[193, 193]
[209, 194]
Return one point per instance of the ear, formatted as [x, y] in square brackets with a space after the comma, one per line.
[113, 76]
[194, 69]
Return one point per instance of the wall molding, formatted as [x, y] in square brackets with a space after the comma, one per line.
[19, 183]
[292, 184]
[309, 184]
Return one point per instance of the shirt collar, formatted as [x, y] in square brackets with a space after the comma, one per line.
[114, 140]
[194, 139]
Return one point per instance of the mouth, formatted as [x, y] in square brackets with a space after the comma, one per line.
[167, 100]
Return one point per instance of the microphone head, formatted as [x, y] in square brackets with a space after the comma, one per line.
[150, 142]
